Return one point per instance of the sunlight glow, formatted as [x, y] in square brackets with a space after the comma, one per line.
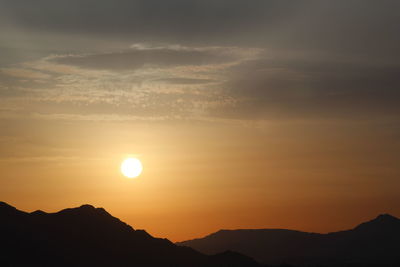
[131, 167]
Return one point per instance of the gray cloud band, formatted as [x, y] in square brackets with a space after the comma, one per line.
[236, 59]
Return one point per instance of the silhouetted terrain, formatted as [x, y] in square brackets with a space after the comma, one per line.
[88, 236]
[374, 242]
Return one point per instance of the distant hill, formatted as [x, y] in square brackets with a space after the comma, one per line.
[374, 242]
[88, 236]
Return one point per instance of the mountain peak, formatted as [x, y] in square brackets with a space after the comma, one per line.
[384, 221]
[87, 207]
[386, 217]
[38, 212]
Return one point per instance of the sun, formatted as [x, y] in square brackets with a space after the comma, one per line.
[131, 167]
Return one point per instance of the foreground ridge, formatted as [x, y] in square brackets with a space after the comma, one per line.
[89, 236]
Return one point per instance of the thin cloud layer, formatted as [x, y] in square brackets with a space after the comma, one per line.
[218, 59]
[350, 27]
[142, 82]
[312, 89]
[138, 58]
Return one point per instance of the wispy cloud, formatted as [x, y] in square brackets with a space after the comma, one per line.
[25, 73]
[143, 82]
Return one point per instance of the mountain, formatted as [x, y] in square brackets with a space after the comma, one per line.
[89, 236]
[373, 242]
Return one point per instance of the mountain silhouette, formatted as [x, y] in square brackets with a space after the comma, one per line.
[89, 236]
[376, 242]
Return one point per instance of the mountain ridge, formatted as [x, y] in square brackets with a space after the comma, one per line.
[89, 236]
[374, 241]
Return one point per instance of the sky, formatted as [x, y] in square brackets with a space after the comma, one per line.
[245, 114]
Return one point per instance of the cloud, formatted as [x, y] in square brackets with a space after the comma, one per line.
[139, 57]
[358, 27]
[25, 73]
[166, 82]
[227, 59]
[249, 85]
[309, 88]
[143, 17]
[184, 81]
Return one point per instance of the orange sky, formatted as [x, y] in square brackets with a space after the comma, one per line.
[202, 177]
